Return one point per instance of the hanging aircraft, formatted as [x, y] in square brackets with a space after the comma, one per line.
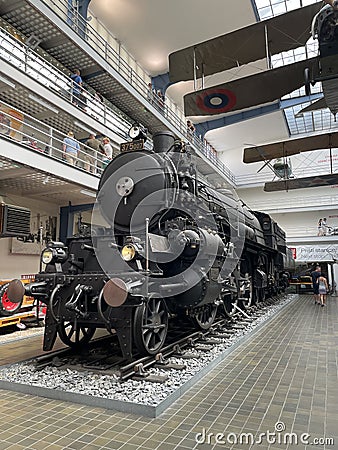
[325, 29]
[262, 40]
[283, 150]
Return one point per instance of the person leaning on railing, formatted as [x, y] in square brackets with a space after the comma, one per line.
[77, 86]
[70, 148]
[108, 152]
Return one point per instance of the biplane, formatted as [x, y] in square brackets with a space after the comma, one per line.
[283, 151]
[252, 43]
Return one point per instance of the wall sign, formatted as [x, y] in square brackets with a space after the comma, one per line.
[315, 253]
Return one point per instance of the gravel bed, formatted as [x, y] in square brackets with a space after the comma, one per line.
[139, 392]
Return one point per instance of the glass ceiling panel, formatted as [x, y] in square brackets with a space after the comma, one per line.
[311, 121]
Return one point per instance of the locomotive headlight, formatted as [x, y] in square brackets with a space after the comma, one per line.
[134, 131]
[128, 252]
[47, 256]
[137, 131]
[54, 255]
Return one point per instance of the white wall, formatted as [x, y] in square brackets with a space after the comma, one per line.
[296, 211]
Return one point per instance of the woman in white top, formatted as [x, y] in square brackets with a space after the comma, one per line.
[108, 151]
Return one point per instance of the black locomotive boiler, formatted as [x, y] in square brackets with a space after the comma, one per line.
[163, 244]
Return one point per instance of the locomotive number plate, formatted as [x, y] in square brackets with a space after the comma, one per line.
[133, 145]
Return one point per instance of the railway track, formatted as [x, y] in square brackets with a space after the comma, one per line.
[101, 355]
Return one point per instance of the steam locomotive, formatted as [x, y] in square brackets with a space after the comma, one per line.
[163, 244]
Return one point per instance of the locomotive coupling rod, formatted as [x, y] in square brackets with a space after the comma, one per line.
[241, 311]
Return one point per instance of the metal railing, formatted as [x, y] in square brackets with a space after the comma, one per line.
[101, 45]
[302, 231]
[21, 57]
[25, 130]
[301, 201]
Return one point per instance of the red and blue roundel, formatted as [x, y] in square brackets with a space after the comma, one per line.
[216, 101]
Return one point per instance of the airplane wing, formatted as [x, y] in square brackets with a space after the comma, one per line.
[301, 183]
[285, 32]
[315, 106]
[290, 147]
[248, 91]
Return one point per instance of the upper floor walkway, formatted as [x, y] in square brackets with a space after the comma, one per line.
[60, 37]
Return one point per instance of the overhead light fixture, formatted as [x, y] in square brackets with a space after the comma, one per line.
[89, 193]
[83, 127]
[6, 81]
[32, 42]
[42, 103]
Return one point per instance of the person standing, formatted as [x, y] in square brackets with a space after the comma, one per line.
[320, 230]
[70, 148]
[107, 152]
[322, 289]
[315, 275]
[76, 86]
[190, 127]
[150, 94]
[324, 227]
[91, 153]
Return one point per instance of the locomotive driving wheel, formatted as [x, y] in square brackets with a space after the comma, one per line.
[246, 292]
[229, 302]
[151, 325]
[7, 308]
[205, 316]
[74, 335]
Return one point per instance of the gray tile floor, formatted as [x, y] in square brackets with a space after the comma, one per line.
[283, 381]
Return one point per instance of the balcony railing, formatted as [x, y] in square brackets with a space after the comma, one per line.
[21, 57]
[37, 136]
[101, 45]
[294, 201]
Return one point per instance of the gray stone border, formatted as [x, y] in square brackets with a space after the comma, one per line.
[136, 408]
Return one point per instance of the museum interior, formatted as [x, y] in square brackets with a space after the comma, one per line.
[142, 141]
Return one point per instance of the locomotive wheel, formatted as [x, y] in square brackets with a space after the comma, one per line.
[74, 336]
[247, 294]
[151, 325]
[7, 308]
[228, 303]
[205, 317]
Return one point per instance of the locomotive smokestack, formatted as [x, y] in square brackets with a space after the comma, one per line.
[163, 141]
